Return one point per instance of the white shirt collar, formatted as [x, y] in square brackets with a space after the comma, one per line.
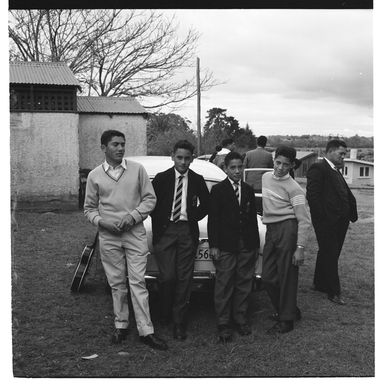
[177, 174]
[233, 183]
[122, 164]
[330, 163]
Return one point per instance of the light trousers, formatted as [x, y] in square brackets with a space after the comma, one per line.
[121, 255]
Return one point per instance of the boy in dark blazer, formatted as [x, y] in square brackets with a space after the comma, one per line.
[182, 200]
[233, 245]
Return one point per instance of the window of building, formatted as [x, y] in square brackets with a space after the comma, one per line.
[364, 171]
[43, 98]
[345, 170]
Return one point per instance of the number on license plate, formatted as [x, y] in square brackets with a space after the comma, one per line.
[202, 254]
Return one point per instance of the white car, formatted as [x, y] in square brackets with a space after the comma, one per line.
[204, 270]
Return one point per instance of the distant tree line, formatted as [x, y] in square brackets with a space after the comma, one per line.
[317, 141]
[164, 130]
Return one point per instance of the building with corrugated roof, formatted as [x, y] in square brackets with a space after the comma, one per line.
[55, 133]
[96, 114]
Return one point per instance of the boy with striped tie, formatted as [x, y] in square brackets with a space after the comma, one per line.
[182, 200]
[288, 224]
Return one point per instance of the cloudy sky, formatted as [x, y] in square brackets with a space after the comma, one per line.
[287, 71]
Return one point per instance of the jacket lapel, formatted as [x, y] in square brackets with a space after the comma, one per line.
[230, 191]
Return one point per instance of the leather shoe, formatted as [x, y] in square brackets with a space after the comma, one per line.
[224, 333]
[275, 316]
[243, 329]
[154, 342]
[336, 299]
[119, 335]
[179, 332]
[281, 327]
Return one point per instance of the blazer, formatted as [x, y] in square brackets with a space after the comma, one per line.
[197, 202]
[323, 195]
[228, 221]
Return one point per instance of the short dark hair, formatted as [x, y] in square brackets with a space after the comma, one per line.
[109, 134]
[261, 141]
[335, 143]
[286, 151]
[227, 141]
[230, 156]
[184, 144]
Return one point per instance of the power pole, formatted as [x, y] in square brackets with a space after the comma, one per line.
[198, 108]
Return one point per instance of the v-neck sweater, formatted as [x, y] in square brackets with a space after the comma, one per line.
[111, 199]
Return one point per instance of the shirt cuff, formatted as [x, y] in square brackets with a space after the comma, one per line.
[96, 220]
[136, 215]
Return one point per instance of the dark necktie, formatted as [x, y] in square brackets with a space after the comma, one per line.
[177, 205]
[236, 190]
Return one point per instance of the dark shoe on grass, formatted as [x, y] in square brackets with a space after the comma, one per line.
[179, 332]
[336, 299]
[224, 333]
[119, 335]
[154, 342]
[243, 329]
[286, 326]
[275, 316]
[281, 327]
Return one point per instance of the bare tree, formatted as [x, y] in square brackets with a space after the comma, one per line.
[112, 52]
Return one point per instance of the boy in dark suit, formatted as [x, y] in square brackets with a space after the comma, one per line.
[233, 244]
[182, 200]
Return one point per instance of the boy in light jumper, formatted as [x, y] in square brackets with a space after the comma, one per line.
[119, 196]
[288, 223]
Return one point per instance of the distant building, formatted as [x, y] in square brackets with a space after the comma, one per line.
[358, 172]
[306, 158]
[97, 114]
[43, 134]
[54, 134]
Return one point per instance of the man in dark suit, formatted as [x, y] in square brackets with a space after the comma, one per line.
[233, 245]
[332, 206]
[182, 200]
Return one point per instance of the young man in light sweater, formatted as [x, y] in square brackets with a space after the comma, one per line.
[119, 196]
[288, 224]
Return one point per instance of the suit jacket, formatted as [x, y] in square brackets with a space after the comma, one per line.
[259, 158]
[228, 221]
[323, 195]
[197, 202]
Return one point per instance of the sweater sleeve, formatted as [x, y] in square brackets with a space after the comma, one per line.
[90, 206]
[147, 195]
[298, 201]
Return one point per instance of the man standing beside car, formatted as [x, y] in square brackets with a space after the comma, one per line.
[233, 244]
[182, 201]
[119, 196]
[332, 206]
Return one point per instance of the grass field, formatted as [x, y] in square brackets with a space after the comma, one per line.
[53, 329]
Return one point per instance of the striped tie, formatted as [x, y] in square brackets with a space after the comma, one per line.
[236, 190]
[177, 206]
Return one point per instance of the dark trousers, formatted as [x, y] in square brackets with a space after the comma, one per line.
[279, 275]
[234, 276]
[175, 254]
[330, 240]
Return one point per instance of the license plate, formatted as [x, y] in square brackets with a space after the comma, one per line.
[203, 251]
